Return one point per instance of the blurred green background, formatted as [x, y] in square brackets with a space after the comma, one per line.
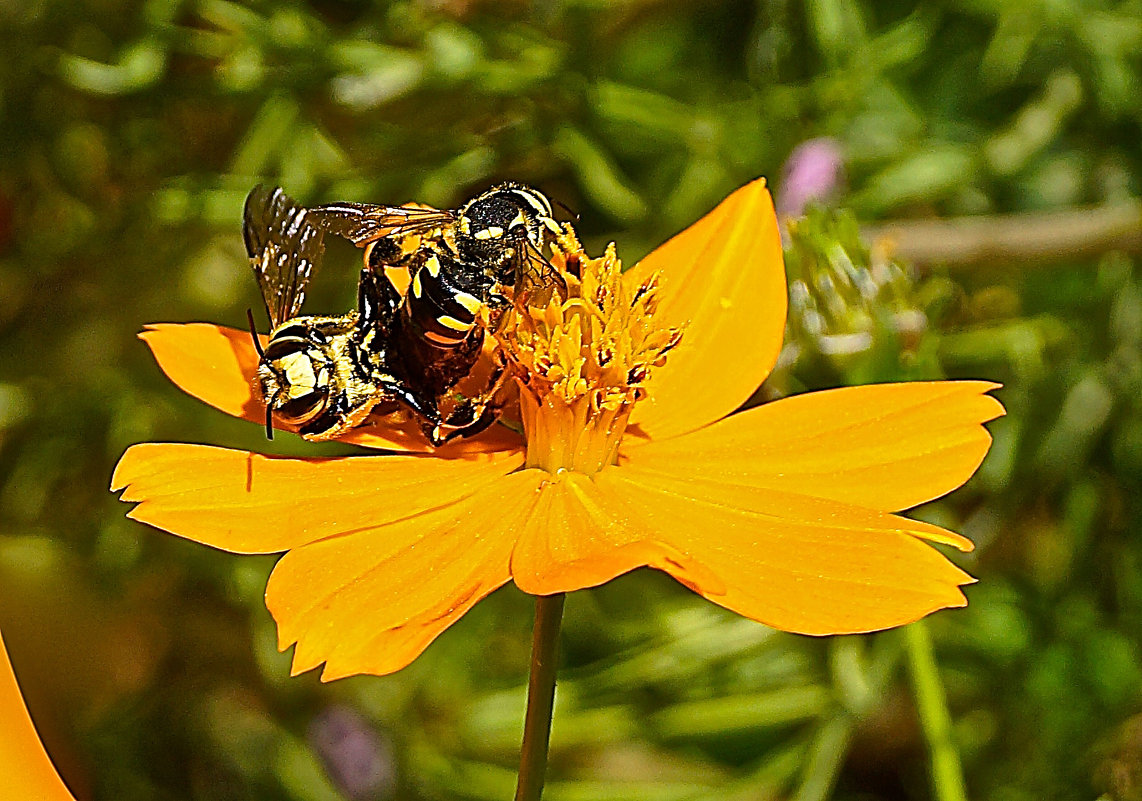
[129, 136]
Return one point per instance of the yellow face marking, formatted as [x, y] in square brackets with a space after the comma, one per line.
[433, 266]
[489, 232]
[465, 226]
[551, 225]
[453, 323]
[416, 290]
[298, 369]
[469, 302]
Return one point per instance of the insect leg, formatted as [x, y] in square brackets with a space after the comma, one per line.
[475, 414]
[426, 409]
[486, 418]
[377, 301]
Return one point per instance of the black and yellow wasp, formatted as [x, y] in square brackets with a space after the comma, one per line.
[318, 375]
[465, 266]
[323, 375]
[461, 262]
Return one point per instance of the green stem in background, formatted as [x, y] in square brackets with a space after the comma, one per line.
[947, 773]
[826, 755]
[540, 697]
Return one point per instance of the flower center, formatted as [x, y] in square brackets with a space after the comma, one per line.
[582, 356]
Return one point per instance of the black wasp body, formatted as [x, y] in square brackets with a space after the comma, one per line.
[461, 262]
[322, 376]
[465, 266]
[318, 375]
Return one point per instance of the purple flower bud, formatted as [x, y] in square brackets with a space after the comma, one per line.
[358, 758]
[814, 171]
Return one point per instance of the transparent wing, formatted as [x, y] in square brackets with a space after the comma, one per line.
[362, 223]
[536, 275]
[283, 246]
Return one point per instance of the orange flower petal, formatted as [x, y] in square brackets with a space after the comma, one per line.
[213, 363]
[249, 503]
[26, 771]
[372, 600]
[800, 564]
[217, 365]
[579, 535]
[884, 446]
[725, 276]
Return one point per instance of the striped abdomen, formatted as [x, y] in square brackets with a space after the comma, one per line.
[440, 304]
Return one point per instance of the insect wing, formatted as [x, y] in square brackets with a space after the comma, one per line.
[362, 223]
[537, 275]
[283, 246]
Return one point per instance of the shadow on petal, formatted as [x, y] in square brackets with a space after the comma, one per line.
[405, 436]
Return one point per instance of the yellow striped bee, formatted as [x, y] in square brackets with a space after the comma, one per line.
[459, 261]
[318, 375]
[465, 267]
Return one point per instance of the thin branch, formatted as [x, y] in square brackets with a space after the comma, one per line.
[1004, 239]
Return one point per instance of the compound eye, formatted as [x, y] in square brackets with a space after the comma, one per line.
[300, 410]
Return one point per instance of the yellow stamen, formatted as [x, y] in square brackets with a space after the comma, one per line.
[581, 359]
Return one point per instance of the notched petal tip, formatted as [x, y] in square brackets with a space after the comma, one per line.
[398, 647]
[943, 536]
[800, 564]
[371, 600]
[882, 446]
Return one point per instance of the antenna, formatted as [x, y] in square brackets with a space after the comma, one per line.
[254, 333]
[262, 356]
[567, 209]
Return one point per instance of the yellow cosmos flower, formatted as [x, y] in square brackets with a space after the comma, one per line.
[631, 456]
[26, 771]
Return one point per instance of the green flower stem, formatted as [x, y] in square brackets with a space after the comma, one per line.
[540, 697]
[947, 773]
